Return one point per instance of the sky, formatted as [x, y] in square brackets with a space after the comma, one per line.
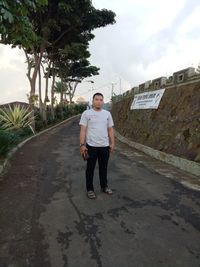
[151, 38]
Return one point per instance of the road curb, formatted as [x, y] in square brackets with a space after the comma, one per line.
[11, 153]
[183, 164]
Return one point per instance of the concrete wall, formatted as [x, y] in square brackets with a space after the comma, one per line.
[173, 128]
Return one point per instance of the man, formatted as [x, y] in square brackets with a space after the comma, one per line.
[97, 130]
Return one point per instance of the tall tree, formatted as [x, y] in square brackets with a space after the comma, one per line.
[63, 22]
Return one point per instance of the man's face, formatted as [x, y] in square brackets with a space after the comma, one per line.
[97, 102]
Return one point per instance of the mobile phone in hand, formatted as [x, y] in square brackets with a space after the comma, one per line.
[85, 155]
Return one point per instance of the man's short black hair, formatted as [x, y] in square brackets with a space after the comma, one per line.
[100, 94]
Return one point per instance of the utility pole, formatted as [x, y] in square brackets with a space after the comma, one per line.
[90, 96]
[112, 90]
[120, 86]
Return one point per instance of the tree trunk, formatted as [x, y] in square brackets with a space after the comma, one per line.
[52, 96]
[46, 99]
[47, 81]
[38, 58]
[61, 98]
[62, 91]
[32, 79]
[72, 90]
[44, 115]
[40, 91]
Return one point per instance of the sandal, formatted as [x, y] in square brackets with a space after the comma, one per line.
[91, 195]
[107, 190]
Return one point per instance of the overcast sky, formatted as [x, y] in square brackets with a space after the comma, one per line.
[151, 38]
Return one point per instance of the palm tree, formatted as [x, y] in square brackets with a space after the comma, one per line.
[60, 88]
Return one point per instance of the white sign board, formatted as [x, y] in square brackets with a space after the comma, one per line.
[147, 100]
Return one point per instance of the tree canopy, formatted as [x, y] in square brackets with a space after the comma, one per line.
[15, 25]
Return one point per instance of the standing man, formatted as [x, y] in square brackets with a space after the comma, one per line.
[97, 130]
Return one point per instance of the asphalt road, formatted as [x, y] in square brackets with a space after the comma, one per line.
[151, 220]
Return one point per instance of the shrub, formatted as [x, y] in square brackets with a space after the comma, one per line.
[80, 108]
[14, 123]
[8, 139]
[59, 112]
[39, 124]
[16, 118]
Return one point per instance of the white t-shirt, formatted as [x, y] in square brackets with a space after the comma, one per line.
[97, 123]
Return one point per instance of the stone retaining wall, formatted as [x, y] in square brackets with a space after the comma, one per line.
[172, 128]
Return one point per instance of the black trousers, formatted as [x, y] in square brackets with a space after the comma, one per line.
[102, 154]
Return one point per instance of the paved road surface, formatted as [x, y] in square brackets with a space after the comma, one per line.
[46, 219]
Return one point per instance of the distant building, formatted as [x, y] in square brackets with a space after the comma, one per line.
[144, 86]
[159, 83]
[81, 100]
[183, 75]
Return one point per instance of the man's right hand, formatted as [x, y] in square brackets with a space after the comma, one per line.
[83, 150]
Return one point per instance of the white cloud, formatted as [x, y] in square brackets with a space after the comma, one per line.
[145, 42]
[13, 83]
